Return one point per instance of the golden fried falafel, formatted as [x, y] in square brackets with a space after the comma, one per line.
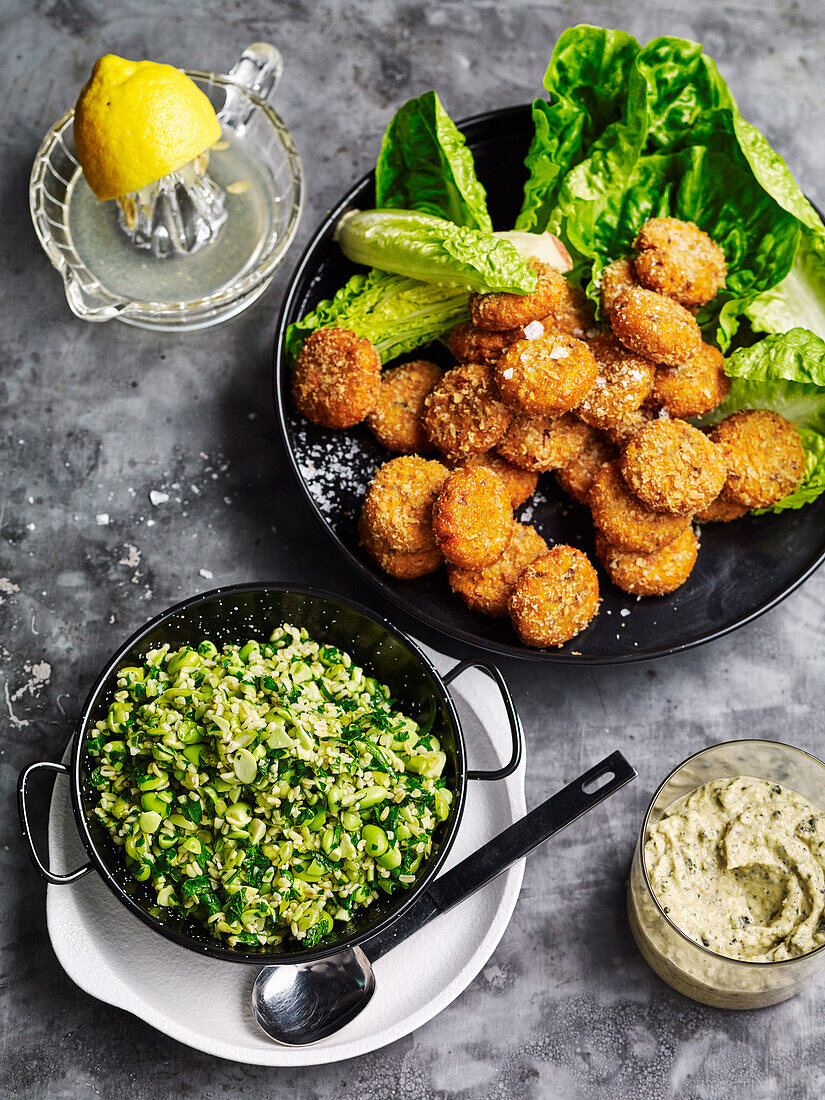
[403, 564]
[470, 344]
[622, 383]
[673, 467]
[655, 327]
[473, 517]
[487, 590]
[555, 598]
[721, 510]
[521, 484]
[576, 476]
[336, 378]
[624, 430]
[399, 502]
[500, 310]
[653, 574]
[680, 260]
[547, 376]
[542, 442]
[464, 413]
[763, 454]
[574, 315]
[616, 279]
[396, 419]
[694, 388]
[623, 519]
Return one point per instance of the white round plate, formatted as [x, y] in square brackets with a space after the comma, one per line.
[205, 1003]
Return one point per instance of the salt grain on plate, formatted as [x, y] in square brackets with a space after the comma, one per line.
[207, 574]
[157, 497]
[102, 519]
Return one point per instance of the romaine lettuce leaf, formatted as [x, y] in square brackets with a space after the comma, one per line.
[672, 142]
[799, 300]
[424, 247]
[398, 315]
[425, 165]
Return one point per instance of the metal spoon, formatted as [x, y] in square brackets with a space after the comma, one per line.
[298, 1005]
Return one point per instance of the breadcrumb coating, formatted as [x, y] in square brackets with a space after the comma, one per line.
[542, 442]
[623, 382]
[763, 454]
[336, 378]
[473, 517]
[693, 388]
[464, 413]
[655, 327]
[547, 376]
[653, 574]
[396, 419]
[673, 467]
[399, 503]
[680, 260]
[487, 590]
[555, 598]
[500, 310]
[624, 520]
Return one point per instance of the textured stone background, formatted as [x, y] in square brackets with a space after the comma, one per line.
[94, 417]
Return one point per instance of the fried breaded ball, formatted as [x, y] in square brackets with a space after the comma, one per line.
[695, 387]
[336, 378]
[655, 327]
[653, 574]
[616, 279]
[680, 260]
[721, 510]
[673, 467]
[623, 519]
[487, 590]
[403, 564]
[574, 315]
[542, 442]
[477, 345]
[521, 484]
[764, 457]
[396, 419]
[555, 598]
[576, 476]
[464, 413]
[473, 517]
[547, 376]
[624, 430]
[622, 383]
[500, 310]
[399, 503]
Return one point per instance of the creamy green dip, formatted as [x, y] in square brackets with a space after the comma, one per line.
[739, 866]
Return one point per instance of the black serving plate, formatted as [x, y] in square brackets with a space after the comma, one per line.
[744, 568]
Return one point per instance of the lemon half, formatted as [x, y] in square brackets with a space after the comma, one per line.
[136, 121]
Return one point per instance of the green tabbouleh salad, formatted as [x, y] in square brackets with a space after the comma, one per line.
[266, 790]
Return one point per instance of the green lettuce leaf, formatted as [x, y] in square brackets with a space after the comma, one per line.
[665, 138]
[425, 165]
[424, 247]
[799, 300]
[786, 373]
[398, 315]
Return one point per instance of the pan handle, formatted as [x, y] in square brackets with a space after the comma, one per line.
[22, 809]
[516, 732]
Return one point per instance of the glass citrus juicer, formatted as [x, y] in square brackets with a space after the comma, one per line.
[194, 246]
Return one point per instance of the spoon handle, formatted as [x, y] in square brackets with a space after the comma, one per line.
[483, 865]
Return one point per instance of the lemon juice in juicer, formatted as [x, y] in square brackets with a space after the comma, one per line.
[166, 198]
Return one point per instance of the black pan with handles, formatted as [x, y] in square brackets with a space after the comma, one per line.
[744, 568]
[235, 614]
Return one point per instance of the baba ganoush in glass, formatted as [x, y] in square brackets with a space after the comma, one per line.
[739, 866]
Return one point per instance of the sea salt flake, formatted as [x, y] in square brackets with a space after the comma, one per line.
[102, 519]
[559, 353]
[157, 497]
[624, 612]
[207, 574]
[533, 330]
[507, 373]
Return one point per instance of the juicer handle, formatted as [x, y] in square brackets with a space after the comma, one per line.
[516, 732]
[22, 809]
[257, 70]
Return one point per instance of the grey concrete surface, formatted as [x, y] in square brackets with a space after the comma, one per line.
[94, 417]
